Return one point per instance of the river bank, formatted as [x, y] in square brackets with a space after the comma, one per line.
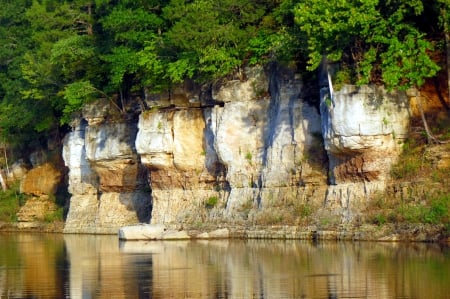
[42, 227]
[365, 232]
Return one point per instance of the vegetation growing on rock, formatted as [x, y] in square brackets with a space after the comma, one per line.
[58, 55]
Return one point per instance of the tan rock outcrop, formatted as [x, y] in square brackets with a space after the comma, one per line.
[42, 180]
[182, 168]
[36, 209]
[83, 213]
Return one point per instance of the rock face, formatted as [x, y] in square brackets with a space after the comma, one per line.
[106, 179]
[363, 130]
[35, 209]
[245, 155]
[252, 151]
[41, 183]
[42, 180]
[265, 139]
[182, 172]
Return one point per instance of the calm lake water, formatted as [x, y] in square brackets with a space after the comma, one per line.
[87, 266]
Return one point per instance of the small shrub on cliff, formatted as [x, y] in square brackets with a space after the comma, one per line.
[8, 210]
[303, 210]
[248, 157]
[380, 219]
[409, 214]
[54, 216]
[407, 168]
[273, 218]
[211, 202]
[410, 162]
[342, 77]
[439, 210]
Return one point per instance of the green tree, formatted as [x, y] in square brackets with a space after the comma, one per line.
[21, 120]
[209, 39]
[56, 56]
[130, 29]
[277, 38]
[379, 42]
[63, 52]
[443, 8]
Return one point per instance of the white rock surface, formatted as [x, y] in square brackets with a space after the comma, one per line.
[82, 180]
[221, 233]
[142, 232]
[110, 141]
[265, 142]
[363, 129]
[154, 140]
[175, 235]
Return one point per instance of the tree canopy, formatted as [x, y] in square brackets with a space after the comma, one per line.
[57, 55]
[375, 41]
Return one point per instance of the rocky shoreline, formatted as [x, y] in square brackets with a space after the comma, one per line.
[365, 232]
[38, 227]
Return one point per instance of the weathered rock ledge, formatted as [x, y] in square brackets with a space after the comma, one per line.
[366, 232]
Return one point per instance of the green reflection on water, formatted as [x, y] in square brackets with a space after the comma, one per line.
[31, 265]
[9, 255]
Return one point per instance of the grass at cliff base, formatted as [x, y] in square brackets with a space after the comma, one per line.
[420, 186]
[10, 202]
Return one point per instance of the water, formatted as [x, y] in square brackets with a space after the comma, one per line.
[88, 266]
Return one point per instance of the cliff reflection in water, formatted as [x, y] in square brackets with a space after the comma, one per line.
[89, 266]
[256, 269]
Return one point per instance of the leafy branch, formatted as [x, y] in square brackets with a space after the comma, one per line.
[80, 93]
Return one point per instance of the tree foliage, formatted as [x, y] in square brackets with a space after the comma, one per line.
[58, 55]
[379, 41]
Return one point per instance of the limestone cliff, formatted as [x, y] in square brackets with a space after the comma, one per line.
[106, 179]
[363, 130]
[251, 151]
